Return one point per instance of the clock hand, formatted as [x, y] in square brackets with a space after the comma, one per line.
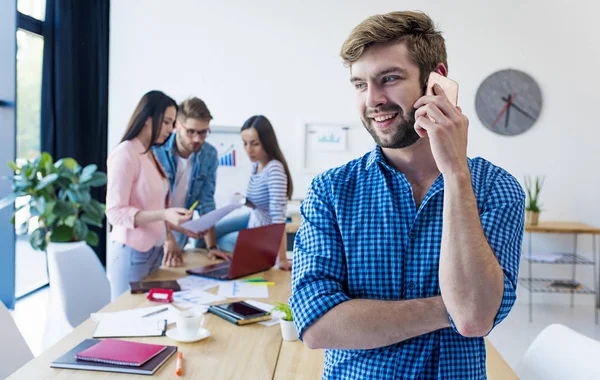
[507, 116]
[508, 102]
[520, 110]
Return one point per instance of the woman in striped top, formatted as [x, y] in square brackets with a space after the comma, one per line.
[269, 188]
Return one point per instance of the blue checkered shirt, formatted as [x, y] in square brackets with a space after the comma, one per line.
[363, 238]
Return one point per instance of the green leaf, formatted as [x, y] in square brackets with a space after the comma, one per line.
[13, 165]
[46, 181]
[80, 230]
[8, 200]
[94, 208]
[93, 221]
[70, 221]
[74, 196]
[98, 179]
[38, 239]
[92, 238]
[63, 209]
[46, 163]
[62, 234]
[87, 172]
[40, 204]
[67, 163]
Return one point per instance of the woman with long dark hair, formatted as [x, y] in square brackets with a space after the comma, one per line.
[269, 189]
[137, 195]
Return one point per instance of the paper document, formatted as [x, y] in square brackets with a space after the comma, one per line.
[239, 289]
[195, 297]
[138, 314]
[114, 328]
[196, 282]
[209, 219]
[266, 307]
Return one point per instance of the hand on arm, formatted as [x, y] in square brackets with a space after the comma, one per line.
[472, 281]
[173, 254]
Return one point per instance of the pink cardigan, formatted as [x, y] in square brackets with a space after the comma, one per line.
[134, 184]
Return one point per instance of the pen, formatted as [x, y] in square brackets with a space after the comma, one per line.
[155, 312]
[268, 283]
[254, 279]
[179, 369]
[193, 206]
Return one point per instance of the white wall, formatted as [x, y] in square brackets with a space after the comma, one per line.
[281, 59]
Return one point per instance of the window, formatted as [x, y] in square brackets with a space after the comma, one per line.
[31, 266]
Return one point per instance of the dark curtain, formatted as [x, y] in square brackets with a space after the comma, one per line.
[75, 87]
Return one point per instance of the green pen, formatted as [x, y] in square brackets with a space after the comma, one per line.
[254, 279]
[194, 206]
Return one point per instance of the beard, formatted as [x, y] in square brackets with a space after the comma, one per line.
[402, 134]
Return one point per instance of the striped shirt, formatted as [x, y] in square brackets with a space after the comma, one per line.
[267, 190]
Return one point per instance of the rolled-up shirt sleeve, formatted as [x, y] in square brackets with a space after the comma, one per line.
[122, 170]
[502, 220]
[319, 272]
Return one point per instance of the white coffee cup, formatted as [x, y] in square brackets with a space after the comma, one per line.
[189, 322]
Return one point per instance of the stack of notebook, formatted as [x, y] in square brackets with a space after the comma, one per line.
[113, 355]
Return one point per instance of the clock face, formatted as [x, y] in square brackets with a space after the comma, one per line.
[508, 102]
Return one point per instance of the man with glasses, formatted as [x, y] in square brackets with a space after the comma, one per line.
[191, 165]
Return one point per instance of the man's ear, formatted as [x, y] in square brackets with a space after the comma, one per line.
[441, 69]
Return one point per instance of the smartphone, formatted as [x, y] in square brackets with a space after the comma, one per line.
[449, 86]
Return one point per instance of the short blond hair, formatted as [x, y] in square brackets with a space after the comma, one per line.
[194, 108]
[425, 44]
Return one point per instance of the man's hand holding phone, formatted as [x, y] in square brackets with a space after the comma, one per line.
[438, 118]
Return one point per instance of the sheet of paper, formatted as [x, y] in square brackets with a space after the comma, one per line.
[266, 307]
[195, 297]
[239, 289]
[196, 282]
[209, 219]
[114, 328]
[137, 314]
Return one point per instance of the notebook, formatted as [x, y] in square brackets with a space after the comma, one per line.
[240, 313]
[120, 352]
[127, 328]
[69, 361]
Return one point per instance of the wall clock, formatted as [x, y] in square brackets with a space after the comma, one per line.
[508, 102]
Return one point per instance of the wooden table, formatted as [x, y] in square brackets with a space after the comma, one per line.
[232, 352]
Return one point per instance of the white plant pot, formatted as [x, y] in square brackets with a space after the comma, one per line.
[288, 330]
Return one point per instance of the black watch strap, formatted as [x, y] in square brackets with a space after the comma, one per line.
[212, 247]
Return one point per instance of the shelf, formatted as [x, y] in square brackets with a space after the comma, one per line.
[542, 285]
[566, 258]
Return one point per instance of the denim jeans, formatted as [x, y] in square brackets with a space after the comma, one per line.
[227, 231]
[125, 265]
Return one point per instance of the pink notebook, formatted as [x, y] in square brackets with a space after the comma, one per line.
[121, 352]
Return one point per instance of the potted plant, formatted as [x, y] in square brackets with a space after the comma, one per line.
[532, 207]
[58, 198]
[288, 330]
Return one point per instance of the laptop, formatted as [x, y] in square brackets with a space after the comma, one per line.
[255, 250]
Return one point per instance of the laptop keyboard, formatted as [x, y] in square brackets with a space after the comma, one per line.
[219, 272]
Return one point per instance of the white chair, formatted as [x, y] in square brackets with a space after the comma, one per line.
[77, 280]
[14, 351]
[559, 353]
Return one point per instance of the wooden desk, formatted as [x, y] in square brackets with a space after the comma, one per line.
[563, 228]
[232, 352]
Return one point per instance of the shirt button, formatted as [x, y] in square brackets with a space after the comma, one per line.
[411, 285]
[412, 235]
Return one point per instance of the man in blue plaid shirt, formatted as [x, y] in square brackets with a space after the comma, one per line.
[407, 256]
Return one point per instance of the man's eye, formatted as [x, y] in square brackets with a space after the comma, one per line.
[360, 86]
[389, 79]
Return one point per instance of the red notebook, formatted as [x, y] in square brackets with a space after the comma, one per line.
[120, 352]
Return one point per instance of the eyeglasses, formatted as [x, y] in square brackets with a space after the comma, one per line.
[192, 132]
